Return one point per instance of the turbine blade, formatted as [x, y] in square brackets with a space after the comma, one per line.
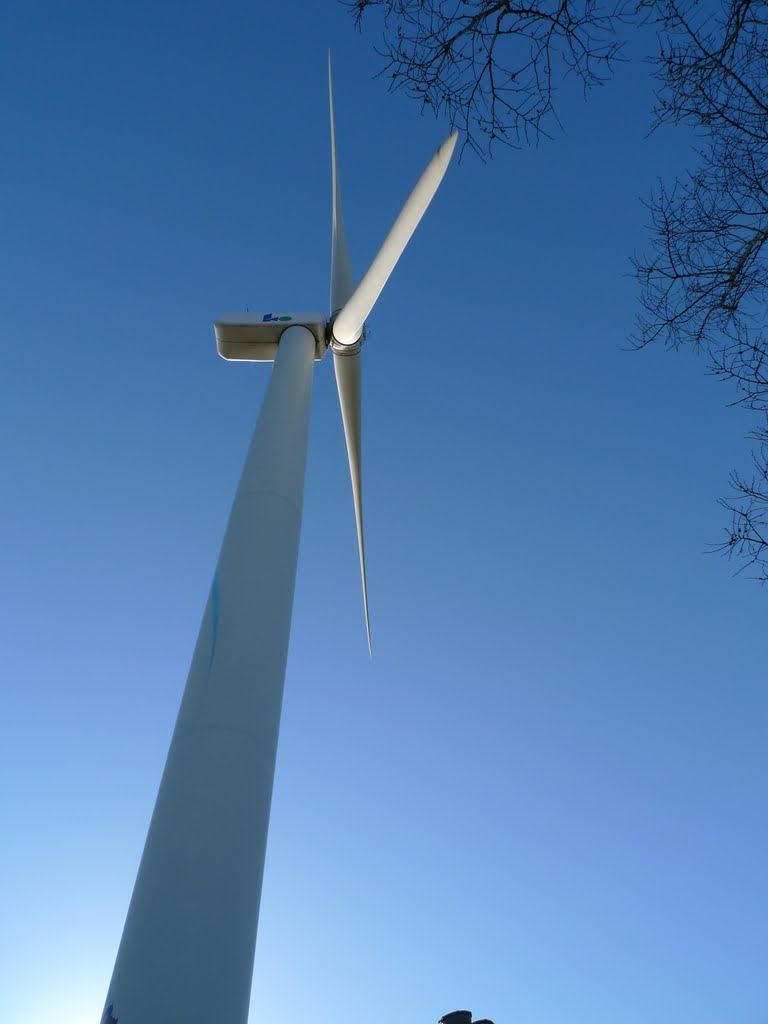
[342, 282]
[347, 367]
[348, 325]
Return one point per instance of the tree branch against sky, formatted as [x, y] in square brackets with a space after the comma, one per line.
[492, 68]
[704, 281]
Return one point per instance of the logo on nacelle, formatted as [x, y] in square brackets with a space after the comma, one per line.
[270, 318]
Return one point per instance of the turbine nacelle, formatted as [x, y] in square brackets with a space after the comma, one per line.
[254, 337]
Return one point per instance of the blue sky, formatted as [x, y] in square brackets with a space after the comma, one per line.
[544, 798]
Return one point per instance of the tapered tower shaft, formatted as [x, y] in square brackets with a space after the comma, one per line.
[187, 948]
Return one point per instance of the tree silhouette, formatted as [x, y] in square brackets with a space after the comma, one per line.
[491, 66]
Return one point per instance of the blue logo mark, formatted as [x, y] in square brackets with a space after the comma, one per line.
[270, 318]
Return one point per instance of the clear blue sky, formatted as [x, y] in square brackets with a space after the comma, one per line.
[545, 797]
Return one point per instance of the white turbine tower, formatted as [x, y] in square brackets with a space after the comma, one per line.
[186, 953]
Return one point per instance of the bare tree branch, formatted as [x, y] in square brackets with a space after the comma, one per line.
[490, 65]
[493, 66]
[747, 537]
[705, 280]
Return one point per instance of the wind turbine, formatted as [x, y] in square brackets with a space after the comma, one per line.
[187, 949]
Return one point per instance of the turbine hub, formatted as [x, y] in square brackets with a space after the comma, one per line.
[339, 347]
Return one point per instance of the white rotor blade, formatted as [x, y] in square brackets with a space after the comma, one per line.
[342, 283]
[349, 323]
[347, 367]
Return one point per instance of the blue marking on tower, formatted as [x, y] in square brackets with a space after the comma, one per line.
[215, 628]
